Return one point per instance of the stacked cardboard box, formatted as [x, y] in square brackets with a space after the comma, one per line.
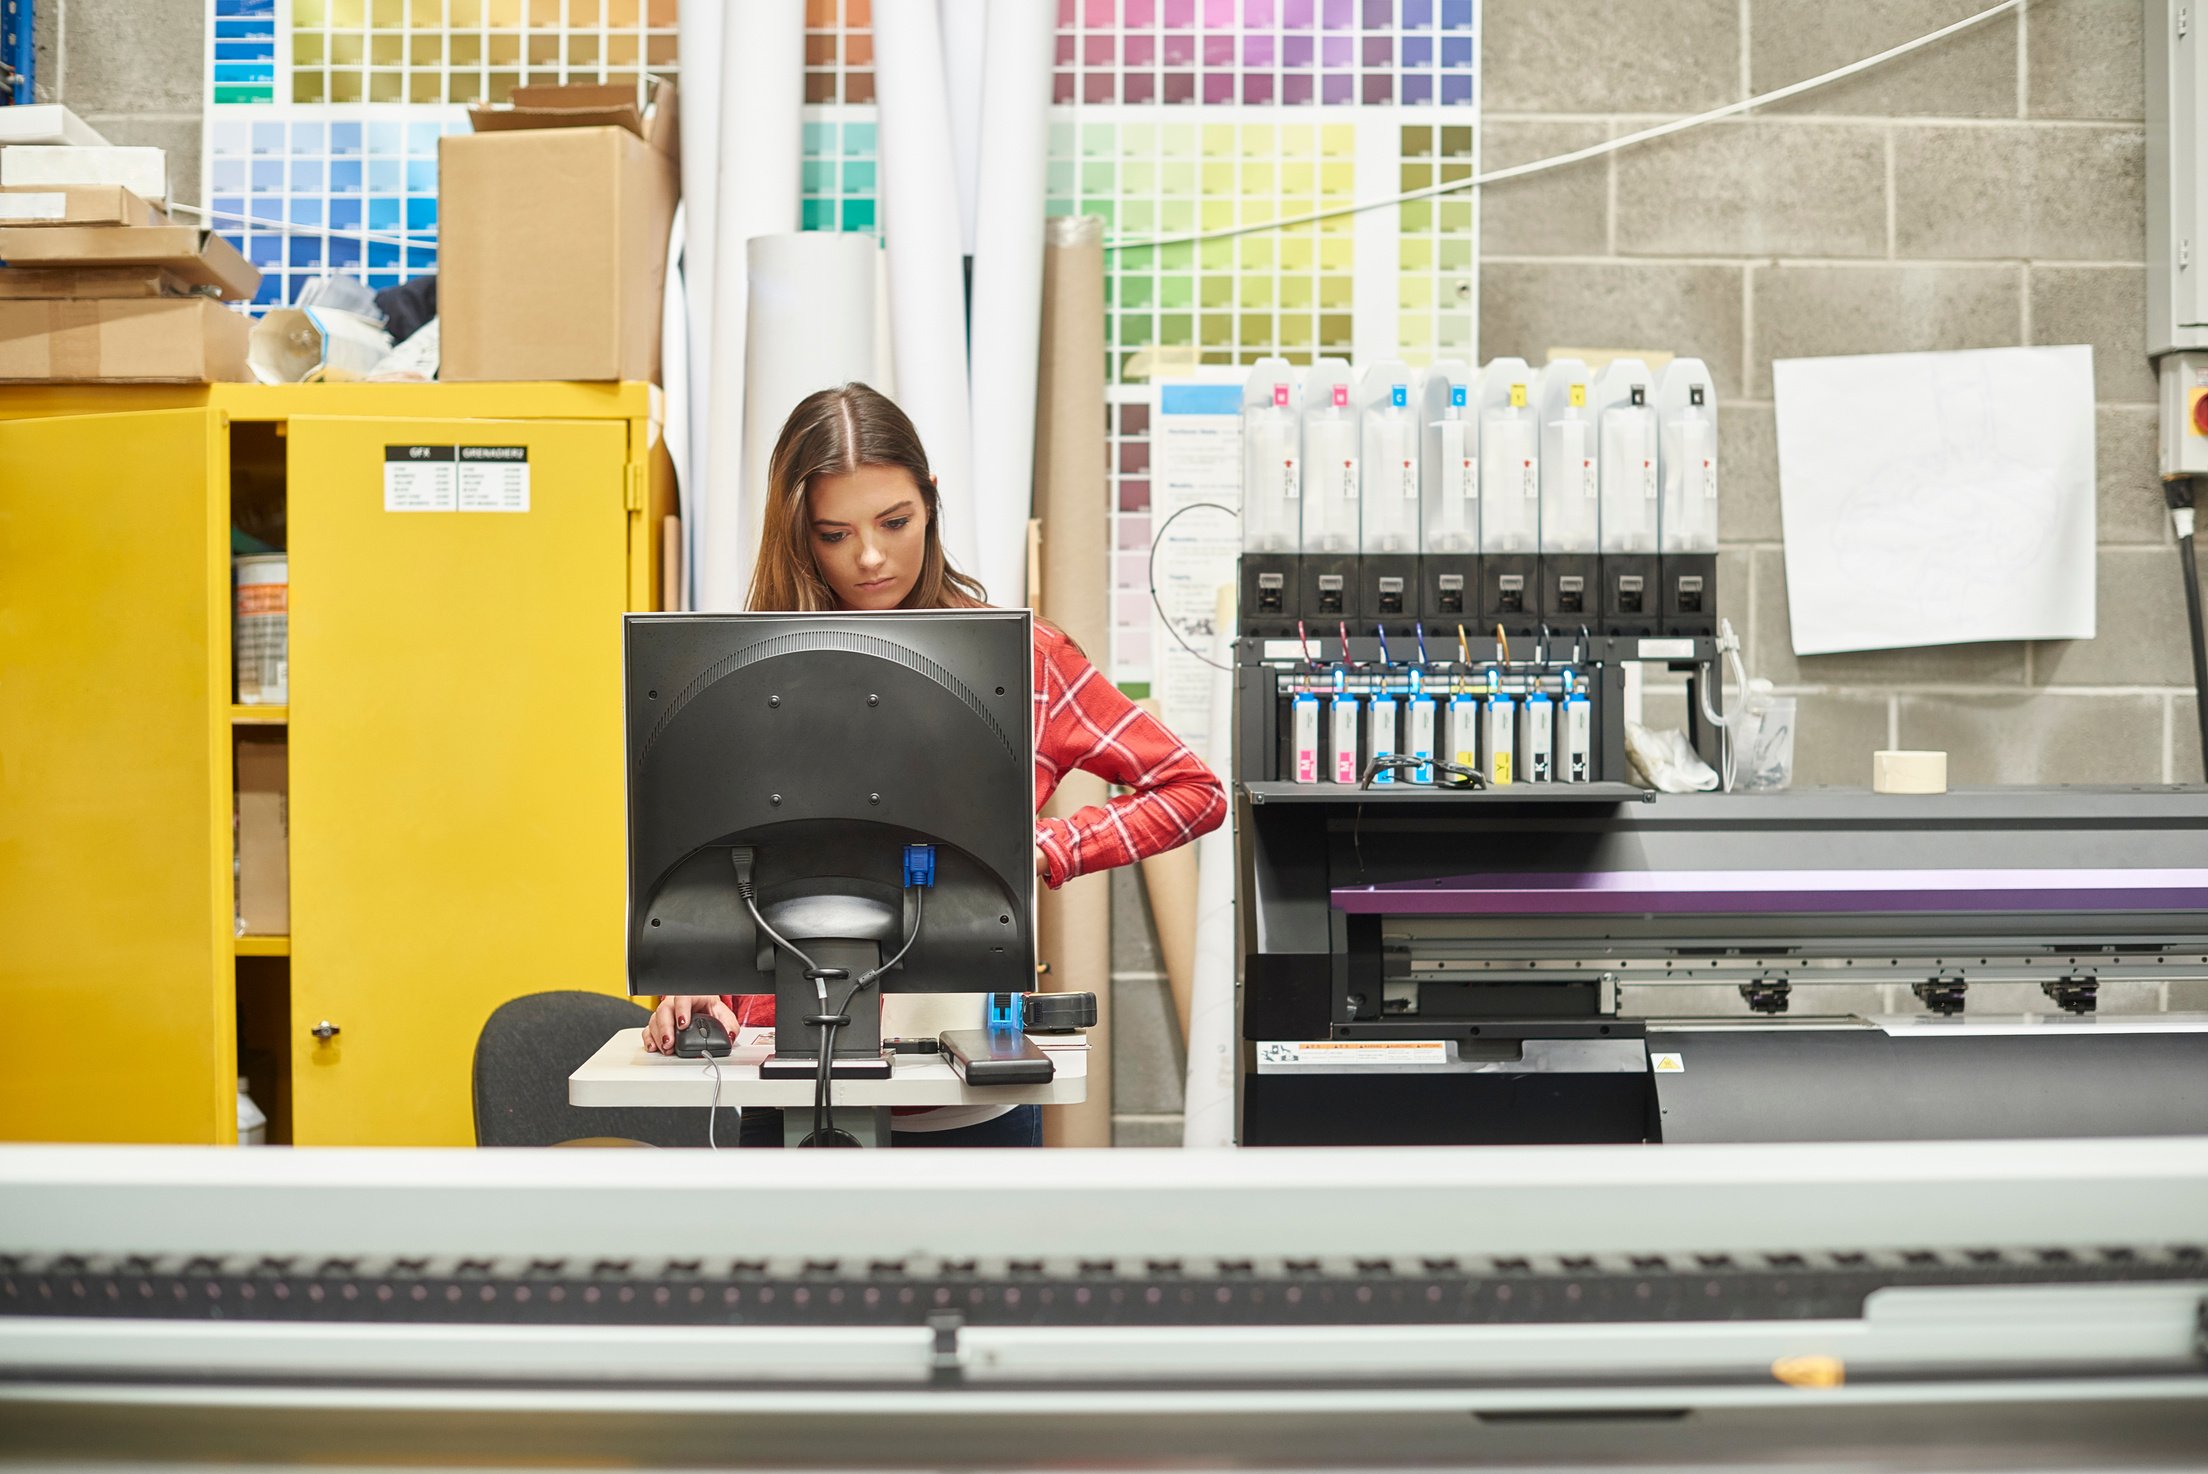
[552, 234]
[98, 283]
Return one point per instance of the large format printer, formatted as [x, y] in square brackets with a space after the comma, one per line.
[2016, 1305]
[1514, 965]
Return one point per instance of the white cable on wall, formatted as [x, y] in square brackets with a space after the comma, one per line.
[1596, 150]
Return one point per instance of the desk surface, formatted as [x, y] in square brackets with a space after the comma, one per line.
[621, 1073]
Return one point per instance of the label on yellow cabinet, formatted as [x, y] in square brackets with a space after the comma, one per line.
[456, 478]
[494, 478]
[419, 478]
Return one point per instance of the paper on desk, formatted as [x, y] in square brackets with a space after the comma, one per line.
[1937, 498]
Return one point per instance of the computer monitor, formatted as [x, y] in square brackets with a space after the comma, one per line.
[823, 745]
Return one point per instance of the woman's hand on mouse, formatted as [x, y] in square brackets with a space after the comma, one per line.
[673, 1015]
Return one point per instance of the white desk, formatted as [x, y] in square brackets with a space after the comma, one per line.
[621, 1073]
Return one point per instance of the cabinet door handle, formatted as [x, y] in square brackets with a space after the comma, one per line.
[325, 1031]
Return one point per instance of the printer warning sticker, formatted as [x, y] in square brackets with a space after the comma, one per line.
[1667, 1064]
[494, 478]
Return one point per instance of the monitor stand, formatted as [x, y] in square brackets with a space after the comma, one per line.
[858, 1045]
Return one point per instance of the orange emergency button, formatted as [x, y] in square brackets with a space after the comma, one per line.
[2200, 412]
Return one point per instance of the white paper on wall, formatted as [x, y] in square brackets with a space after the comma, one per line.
[1195, 457]
[1937, 498]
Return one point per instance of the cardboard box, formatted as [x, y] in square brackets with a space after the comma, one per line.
[76, 204]
[552, 235]
[172, 340]
[199, 258]
[264, 835]
[19, 283]
[142, 171]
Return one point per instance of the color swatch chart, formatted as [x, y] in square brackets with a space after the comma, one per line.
[1259, 52]
[464, 51]
[306, 191]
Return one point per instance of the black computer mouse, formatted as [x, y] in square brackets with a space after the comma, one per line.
[702, 1036]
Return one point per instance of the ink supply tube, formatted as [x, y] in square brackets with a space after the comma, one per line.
[1304, 723]
[1383, 733]
[1345, 737]
[1578, 722]
[1420, 743]
[1502, 736]
[1540, 745]
[1464, 731]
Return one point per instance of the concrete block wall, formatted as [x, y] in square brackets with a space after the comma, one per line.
[134, 69]
[1985, 192]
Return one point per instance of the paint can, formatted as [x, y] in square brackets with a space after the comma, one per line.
[260, 628]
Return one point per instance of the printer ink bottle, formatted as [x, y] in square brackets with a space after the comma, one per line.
[1578, 728]
[1502, 733]
[1464, 730]
[1344, 716]
[1383, 732]
[1420, 742]
[1540, 744]
[1304, 724]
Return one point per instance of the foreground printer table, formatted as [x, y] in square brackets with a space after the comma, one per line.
[1905, 1306]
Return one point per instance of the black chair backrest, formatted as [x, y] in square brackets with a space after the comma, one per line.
[524, 1055]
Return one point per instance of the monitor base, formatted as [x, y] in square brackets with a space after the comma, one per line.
[806, 1066]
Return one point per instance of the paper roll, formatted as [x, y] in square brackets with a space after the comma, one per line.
[1073, 933]
[1169, 880]
[1072, 496]
[1008, 258]
[675, 417]
[811, 327]
[1207, 1118]
[927, 288]
[1073, 501]
[966, 28]
[755, 193]
[698, 43]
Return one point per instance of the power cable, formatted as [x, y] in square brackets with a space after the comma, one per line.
[1592, 151]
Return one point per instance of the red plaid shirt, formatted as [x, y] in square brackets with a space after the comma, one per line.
[1083, 721]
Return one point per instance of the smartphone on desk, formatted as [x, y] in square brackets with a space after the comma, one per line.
[997, 1057]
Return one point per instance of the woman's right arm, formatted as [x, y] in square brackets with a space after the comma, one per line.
[674, 1013]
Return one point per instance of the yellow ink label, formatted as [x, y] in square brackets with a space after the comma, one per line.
[1579, 396]
[1502, 767]
[1517, 396]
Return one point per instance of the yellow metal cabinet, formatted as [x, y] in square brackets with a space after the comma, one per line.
[456, 800]
[454, 734]
[114, 781]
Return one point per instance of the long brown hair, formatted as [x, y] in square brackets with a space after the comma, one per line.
[833, 433]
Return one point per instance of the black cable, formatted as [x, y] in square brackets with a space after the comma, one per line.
[824, 1131]
[1158, 604]
[2179, 494]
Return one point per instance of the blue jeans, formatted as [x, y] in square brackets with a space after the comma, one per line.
[1020, 1126]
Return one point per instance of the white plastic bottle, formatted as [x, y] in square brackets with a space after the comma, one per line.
[252, 1120]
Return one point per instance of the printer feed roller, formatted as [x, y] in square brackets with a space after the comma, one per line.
[1046, 1293]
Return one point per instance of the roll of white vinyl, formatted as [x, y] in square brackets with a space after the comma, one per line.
[1208, 1105]
[811, 328]
[966, 27]
[755, 193]
[674, 401]
[927, 290]
[698, 39]
[1007, 316]
[1908, 772]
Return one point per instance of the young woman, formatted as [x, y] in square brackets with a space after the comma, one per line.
[853, 522]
